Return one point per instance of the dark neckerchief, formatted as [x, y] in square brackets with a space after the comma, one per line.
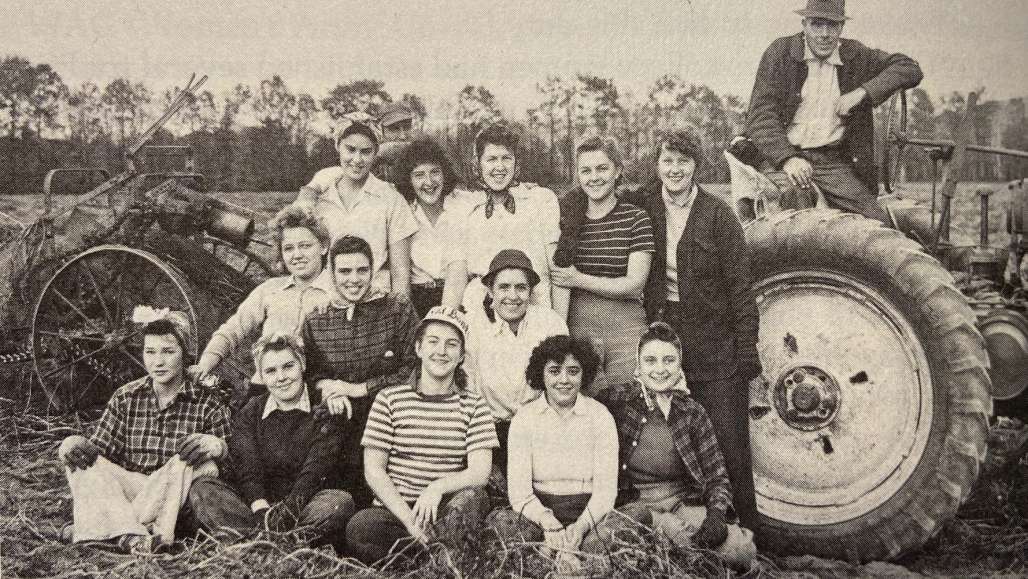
[505, 196]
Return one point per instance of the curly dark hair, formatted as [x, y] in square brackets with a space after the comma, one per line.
[423, 150]
[556, 349]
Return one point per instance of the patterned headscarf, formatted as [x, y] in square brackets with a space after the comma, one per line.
[179, 320]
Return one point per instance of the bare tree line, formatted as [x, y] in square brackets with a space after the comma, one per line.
[268, 137]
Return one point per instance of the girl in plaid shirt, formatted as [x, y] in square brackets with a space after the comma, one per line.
[673, 475]
[157, 433]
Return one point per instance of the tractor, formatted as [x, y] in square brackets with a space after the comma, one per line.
[885, 350]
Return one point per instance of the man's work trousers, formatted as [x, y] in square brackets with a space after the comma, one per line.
[838, 182]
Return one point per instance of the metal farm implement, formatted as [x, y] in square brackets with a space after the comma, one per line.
[76, 272]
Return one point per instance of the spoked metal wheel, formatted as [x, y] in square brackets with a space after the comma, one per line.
[872, 424]
[83, 339]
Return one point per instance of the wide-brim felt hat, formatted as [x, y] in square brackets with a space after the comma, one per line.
[507, 259]
[834, 10]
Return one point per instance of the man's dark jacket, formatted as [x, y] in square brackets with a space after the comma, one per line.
[719, 333]
[777, 94]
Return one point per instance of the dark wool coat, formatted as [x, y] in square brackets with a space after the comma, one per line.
[720, 330]
[777, 94]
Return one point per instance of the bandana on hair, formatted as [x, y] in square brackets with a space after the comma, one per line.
[144, 315]
[356, 117]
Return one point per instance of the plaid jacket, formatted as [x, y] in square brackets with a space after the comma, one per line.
[136, 434]
[375, 345]
[706, 479]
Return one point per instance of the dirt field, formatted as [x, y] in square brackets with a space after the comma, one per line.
[989, 536]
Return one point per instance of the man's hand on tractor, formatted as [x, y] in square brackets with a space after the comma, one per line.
[799, 171]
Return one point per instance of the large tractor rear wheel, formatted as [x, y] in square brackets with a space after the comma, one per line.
[873, 423]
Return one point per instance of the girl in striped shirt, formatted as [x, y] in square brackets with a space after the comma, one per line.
[602, 262]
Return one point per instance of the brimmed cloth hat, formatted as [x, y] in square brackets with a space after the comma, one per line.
[447, 315]
[393, 113]
[834, 10]
[507, 259]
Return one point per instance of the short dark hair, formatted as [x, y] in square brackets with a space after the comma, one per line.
[497, 134]
[348, 244]
[686, 141]
[556, 349]
[606, 145]
[423, 150]
[165, 328]
[660, 331]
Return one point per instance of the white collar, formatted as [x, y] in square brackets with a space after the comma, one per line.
[670, 199]
[500, 324]
[303, 404]
[578, 409]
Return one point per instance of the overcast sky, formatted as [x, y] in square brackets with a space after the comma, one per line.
[434, 49]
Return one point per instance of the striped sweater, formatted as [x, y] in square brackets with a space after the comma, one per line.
[427, 437]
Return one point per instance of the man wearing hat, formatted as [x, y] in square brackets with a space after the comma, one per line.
[428, 448]
[811, 111]
[397, 123]
[503, 336]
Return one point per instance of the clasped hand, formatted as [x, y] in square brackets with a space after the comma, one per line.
[78, 452]
[566, 277]
[198, 448]
[337, 395]
[425, 513]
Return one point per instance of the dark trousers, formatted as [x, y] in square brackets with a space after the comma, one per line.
[216, 505]
[500, 453]
[373, 532]
[424, 297]
[727, 403]
[837, 179]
